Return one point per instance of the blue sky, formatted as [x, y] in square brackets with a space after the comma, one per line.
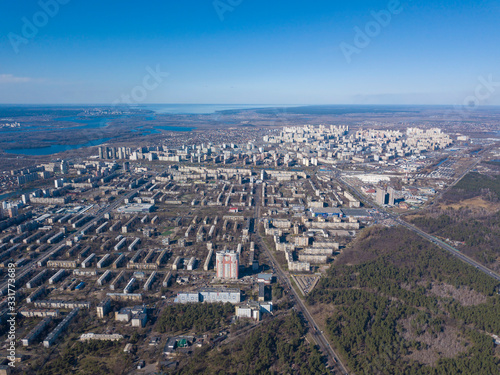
[258, 52]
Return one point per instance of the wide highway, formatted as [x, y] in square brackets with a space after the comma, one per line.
[427, 236]
[449, 248]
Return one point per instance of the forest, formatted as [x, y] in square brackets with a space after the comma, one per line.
[475, 228]
[195, 317]
[478, 232]
[390, 316]
[474, 184]
[88, 358]
[276, 346]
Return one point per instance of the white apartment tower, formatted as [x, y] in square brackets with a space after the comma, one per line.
[227, 263]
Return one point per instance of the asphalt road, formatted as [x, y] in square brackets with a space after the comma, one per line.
[451, 249]
[332, 358]
[427, 236]
[318, 335]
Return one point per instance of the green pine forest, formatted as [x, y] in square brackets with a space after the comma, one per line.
[391, 318]
[277, 346]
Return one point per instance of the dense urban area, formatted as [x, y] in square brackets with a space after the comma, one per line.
[266, 246]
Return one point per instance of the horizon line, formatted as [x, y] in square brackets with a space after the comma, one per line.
[249, 104]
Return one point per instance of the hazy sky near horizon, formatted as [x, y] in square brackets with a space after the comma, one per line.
[250, 51]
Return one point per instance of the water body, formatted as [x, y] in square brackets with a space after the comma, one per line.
[342, 109]
[70, 114]
[441, 162]
[173, 128]
[54, 149]
[203, 109]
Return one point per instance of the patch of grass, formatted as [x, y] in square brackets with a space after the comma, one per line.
[168, 231]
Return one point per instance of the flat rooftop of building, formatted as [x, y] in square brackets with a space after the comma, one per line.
[135, 208]
[355, 212]
[219, 290]
[326, 210]
[265, 276]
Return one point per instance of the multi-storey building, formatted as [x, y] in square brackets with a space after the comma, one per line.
[227, 263]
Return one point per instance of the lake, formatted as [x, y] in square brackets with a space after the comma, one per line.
[203, 109]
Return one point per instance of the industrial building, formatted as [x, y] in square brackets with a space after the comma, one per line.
[326, 212]
[134, 208]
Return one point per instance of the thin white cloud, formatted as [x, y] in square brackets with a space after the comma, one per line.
[10, 78]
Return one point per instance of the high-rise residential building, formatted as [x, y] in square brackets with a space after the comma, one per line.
[381, 196]
[59, 183]
[227, 263]
[12, 211]
[391, 196]
[64, 167]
